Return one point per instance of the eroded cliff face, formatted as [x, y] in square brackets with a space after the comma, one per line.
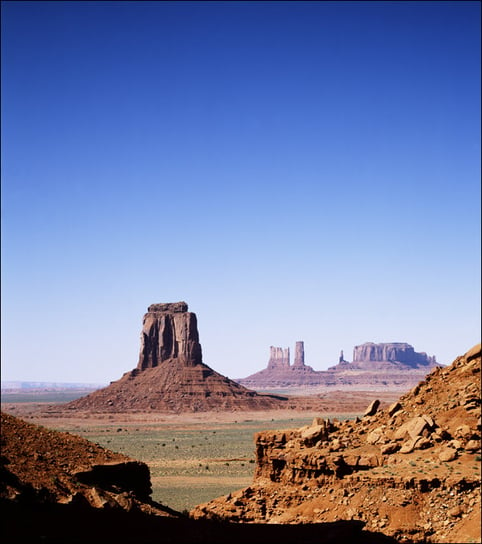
[411, 470]
[279, 358]
[392, 352]
[169, 331]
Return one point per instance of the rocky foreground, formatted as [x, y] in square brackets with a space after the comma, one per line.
[411, 471]
[59, 488]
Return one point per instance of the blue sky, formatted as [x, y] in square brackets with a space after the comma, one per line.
[293, 170]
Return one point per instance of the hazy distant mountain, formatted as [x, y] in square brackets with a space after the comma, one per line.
[44, 386]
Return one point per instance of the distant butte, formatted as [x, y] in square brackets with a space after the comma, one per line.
[393, 366]
[170, 375]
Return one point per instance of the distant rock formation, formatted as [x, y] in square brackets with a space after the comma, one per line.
[278, 358]
[299, 355]
[395, 366]
[170, 375]
[279, 372]
[400, 352]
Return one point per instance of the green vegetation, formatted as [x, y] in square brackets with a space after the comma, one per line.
[191, 465]
[50, 397]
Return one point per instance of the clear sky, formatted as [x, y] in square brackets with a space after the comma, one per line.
[292, 170]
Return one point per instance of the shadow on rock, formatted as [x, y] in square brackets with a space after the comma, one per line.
[64, 524]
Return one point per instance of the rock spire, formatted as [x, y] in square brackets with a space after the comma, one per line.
[299, 354]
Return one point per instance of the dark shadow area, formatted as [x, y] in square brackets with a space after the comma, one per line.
[66, 524]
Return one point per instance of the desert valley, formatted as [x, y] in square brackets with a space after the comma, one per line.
[383, 449]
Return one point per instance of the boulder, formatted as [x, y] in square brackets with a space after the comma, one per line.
[394, 408]
[472, 445]
[412, 428]
[388, 449]
[313, 434]
[474, 352]
[375, 436]
[447, 454]
[372, 408]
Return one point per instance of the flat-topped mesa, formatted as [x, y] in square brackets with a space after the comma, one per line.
[169, 331]
[278, 358]
[391, 352]
[299, 355]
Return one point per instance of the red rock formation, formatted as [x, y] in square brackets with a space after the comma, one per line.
[299, 355]
[395, 366]
[170, 375]
[169, 331]
[411, 470]
[395, 352]
[279, 358]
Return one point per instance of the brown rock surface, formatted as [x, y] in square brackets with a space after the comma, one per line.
[45, 466]
[169, 331]
[170, 375]
[356, 470]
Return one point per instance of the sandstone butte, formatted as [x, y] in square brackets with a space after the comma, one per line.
[170, 375]
[411, 471]
[408, 473]
[394, 366]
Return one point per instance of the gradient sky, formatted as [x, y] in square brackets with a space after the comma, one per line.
[293, 171]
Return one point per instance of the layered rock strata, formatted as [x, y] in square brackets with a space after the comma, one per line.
[399, 352]
[279, 358]
[395, 366]
[411, 470]
[299, 355]
[169, 331]
[170, 375]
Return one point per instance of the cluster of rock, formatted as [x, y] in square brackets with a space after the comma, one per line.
[170, 375]
[411, 470]
[279, 358]
[394, 366]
